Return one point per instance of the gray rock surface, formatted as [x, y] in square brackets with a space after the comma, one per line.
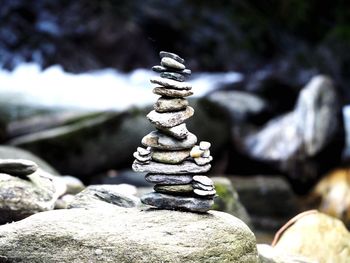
[128, 235]
[171, 157]
[168, 179]
[186, 167]
[179, 59]
[171, 84]
[98, 196]
[172, 63]
[172, 92]
[174, 189]
[179, 132]
[173, 75]
[202, 160]
[160, 141]
[73, 184]
[172, 202]
[17, 167]
[165, 104]
[268, 254]
[170, 119]
[161, 69]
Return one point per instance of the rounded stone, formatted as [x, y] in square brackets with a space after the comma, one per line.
[173, 75]
[179, 132]
[171, 157]
[128, 235]
[204, 193]
[200, 186]
[172, 63]
[161, 69]
[185, 167]
[168, 179]
[143, 151]
[174, 189]
[202, 179]
[164, 54]
[196, 152]
[172, 92]
[170, 119]
[204, 145]
[202, 160]
[17, 167]
[166, 104]
[142, 158]
[160, 141]
[171, 84]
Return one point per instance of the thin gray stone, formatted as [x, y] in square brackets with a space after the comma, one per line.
[204, 193]
[171, 157]
[173, 75]
[17, 167]
[172, 92]
[161, 69]
[168, 179]
[174, 189]
[202, 187]
[158, 140]
[202, 179]
[202, 160]
[170, 119]
[143, 151]
[171, 84]
[165, 201]
[179, 132]
[186, 167]
[142, 158]
[179, 59]
[168, 104]
[171, 63]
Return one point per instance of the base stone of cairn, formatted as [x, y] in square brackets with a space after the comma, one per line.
[171, 159]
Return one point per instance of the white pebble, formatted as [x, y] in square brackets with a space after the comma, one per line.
[204, 145]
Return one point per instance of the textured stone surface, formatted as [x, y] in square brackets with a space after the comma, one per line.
[202, 160]
[179, 131]
[173, 75]
[196, 152]
[204, 193]
[143, 151]
[184, 168]
[170, 119]
[98, 196]
[202, 179]
[161, 69]
[172, 63]
[317, 236]
[172, 202]
[268, 254]
[179, 59]
[174, 189]
[171, 84]
[171, 157]
[172, 92]
[168, 179]
[142, 158]
[128, 235]
[165, 104]
[17, 166]
[202, 186]
[204, 145]
[158, 140]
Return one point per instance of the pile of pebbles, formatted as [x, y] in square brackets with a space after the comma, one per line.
[171, 159]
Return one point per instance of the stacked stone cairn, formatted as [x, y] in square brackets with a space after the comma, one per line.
[171, 159]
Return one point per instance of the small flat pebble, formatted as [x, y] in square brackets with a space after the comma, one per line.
[171, 157]
[172, 63]
[196, 152]
[202, 179]
[172, 202]
[161, 69]
[174, 189]
[158, 140]
[173, 75]
[142, 158]
[143, 151]
[199, 186]
[185, 167]
[17, 167]
[202, 160]
[164, 54]
[172, 92]
[204, 145]
[166, 104]
[168, 179]
[179, 132]
[170, 119]
[204, 193]
[172, 84]
[206, 154]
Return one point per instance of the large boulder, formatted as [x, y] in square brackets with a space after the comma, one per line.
[128, 235]
[317, 236]
[293, 142]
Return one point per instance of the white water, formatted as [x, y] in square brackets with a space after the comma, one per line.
[98, 90]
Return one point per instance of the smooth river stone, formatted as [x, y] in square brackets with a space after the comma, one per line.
[174, 189]
[173, 75]
[204, 193]
[170, 119]
[179, 132]
[158, 140]
[172, 157]
[172, 63]
[142, 158]
[143, 151]
[171, 84]
[172, 202]
[202, 179]
[164, 54]
[202, 160]
[17, 167]
[186, 167]
[196, 152]
[203, 145]
[166, 104]
[168, 179]
[199, 186]
[161, 69]
[172, 92]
